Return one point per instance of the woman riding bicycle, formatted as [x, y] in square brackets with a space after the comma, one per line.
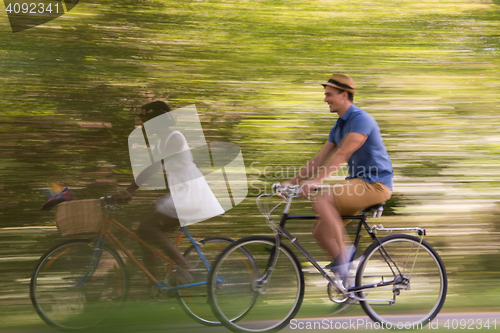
[190, 196]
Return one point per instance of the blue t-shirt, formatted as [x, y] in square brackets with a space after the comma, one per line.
[370, 162]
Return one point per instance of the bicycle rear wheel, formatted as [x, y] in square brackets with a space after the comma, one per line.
[238, 288]
[194, 300]
[69, 293]
[421, 282]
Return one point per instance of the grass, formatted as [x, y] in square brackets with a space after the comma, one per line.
[149, 318]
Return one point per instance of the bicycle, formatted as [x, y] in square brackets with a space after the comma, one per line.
[76, 284]
[399, 279]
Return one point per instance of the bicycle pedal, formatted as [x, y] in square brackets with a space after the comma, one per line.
[162, 297]
[347, 306]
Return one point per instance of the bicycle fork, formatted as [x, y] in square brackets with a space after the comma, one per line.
[96, 258]
[259, 284]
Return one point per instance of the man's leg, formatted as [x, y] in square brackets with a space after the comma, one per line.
[349, 198]
[329, 231]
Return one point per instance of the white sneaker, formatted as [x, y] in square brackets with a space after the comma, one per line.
[341, 271]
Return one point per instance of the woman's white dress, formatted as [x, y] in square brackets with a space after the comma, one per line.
[190, 200]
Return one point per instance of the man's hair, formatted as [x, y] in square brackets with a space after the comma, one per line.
[350, 96]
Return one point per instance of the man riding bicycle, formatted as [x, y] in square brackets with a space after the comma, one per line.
[355, 139]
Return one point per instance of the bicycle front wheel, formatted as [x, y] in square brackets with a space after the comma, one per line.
[413, 278]
[194, 300]
[251, 296]
[73, 287]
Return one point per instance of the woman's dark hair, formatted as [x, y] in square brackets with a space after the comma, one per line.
[153, 109]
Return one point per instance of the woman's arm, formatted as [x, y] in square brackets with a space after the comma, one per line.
[137, 183]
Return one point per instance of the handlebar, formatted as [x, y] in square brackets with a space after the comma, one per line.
[286, 192]
[292, 190]
[107, 202]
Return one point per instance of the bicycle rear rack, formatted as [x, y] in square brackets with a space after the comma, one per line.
[419, 231]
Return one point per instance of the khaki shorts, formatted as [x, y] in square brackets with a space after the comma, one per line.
[353, 195]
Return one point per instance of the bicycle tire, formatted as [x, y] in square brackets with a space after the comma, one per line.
[194, 300]
[266, 307]
[67, 295]
[418, 300]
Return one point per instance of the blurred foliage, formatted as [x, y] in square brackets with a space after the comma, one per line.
[426, 70]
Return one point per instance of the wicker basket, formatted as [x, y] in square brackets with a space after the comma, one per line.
[78, 217]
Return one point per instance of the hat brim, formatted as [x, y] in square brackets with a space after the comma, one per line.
[352, 91]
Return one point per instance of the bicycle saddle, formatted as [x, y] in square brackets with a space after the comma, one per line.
[375, 210]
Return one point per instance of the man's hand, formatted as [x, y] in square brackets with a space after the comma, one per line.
[121, 197]
[308, 189]
[287, 184]
[283, 186]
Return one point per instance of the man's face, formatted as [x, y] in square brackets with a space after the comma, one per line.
[335, 98]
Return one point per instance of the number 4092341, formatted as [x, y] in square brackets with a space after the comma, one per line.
[32, 8]
[470, 324]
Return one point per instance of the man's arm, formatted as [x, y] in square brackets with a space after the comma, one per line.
[352, 142]
[313, 165]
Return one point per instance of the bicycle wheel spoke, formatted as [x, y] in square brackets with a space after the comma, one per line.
[244, 298]
[68, 294]
[194, 300]
[420, 290]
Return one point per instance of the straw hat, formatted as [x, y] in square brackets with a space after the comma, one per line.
[342, 82]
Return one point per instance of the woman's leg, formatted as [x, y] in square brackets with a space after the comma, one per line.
[153, 229]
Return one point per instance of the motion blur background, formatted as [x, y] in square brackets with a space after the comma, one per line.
[428, 71]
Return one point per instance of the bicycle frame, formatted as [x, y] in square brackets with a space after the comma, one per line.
[105, 234]
[280, 230]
